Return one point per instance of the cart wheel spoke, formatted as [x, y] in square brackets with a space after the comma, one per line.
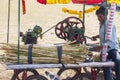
[19, 74]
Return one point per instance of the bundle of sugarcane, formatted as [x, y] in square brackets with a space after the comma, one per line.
[70, 54]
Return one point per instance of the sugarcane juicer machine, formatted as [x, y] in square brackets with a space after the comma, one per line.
[69, 29]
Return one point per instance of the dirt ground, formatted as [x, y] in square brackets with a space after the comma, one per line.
[45, 16]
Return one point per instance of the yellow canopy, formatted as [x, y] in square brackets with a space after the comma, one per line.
[115, 1]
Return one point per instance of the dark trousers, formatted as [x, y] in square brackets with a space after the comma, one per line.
[115, 57]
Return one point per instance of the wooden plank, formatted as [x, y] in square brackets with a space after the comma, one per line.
[37, 66]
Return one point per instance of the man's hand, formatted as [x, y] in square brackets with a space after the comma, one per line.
[97, 48]
[94, 38]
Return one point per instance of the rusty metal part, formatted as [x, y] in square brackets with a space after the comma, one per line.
[71, 28]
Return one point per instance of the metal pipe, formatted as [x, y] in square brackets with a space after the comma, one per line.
[37, 66]
[18, 32]
[8, 21]
[84, 11]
